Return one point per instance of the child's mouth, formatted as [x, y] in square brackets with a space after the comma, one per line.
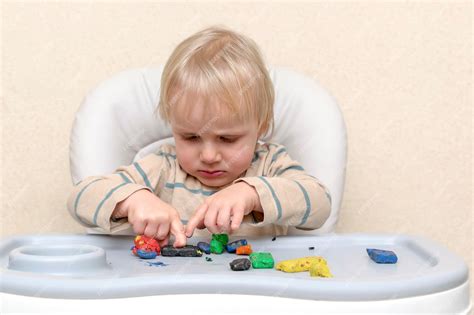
[211, 174]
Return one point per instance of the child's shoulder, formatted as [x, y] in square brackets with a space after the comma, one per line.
[167, 150]
[268, 152]
[269, 147]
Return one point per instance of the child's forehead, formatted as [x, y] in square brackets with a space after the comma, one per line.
[207, 123]
[205, 115]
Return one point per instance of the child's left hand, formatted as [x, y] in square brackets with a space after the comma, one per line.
[225, 209]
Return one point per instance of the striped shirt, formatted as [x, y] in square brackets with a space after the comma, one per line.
[288, 195]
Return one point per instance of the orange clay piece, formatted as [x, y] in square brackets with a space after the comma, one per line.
[244, 250]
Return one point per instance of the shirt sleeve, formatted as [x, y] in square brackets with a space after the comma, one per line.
[93, 200]
[288, 195]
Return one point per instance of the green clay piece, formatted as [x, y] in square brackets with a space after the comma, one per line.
[221, 238]
[262, 260]
[208, 259]
[216, 247]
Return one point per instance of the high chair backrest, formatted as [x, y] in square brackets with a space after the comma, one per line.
[115, 125]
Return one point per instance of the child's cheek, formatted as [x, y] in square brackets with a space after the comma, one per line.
[241, 159]
[185, 159]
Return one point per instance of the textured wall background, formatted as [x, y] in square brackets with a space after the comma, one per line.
[402, 73]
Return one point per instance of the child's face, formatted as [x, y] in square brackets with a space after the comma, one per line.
[207, 141]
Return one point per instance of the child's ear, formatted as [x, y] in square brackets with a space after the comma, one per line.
[262, 131]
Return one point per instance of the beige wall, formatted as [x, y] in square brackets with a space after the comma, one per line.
[402, 73]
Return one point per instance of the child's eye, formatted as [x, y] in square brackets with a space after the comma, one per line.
[192, 138]
[228, 140]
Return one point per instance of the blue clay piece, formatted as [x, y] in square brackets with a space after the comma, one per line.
[146, 255]
[232, 246]
[205, 247]
[381, 256]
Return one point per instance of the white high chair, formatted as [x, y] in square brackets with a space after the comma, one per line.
[115, 126]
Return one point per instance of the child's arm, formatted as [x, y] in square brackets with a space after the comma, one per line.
[288, 195]
[93, 200]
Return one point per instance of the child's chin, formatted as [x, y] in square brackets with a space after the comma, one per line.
[218, 182]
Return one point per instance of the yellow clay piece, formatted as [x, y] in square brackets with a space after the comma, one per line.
[298, 264]
[320, 269]
[316, 265]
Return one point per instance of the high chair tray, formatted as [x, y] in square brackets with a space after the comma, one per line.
[102, 266]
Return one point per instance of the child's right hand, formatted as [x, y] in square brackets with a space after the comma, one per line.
[151, 216]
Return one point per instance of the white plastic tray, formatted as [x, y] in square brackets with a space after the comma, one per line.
[102, 267]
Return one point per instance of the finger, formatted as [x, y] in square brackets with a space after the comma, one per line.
[196, 219]
[201, 224]
[237, 217]
[223, 219]
[163, 231]
[177, 229]
[150, 229]
[164, 241]
[210, 220]
[139, 227]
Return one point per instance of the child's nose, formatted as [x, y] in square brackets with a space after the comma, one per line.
[210, 155]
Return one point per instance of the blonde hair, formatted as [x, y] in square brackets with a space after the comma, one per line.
[220, 64]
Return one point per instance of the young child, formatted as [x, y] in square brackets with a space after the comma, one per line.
[218, 98]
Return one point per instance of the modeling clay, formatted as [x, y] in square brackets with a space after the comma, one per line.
[205, 247]
[274, 238]
[297, 264]
[320, 268]
[244, 250]
[208, 259]
[216, 247]
[146, 254]
[311, 247]
[381, 256]
[222, 238]
[261, 260]
[232, 246]
[186, 251]
[147, 246]
[240, 264]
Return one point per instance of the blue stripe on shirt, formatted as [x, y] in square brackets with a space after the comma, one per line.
[76, 202]
[125, 178]
[293, 167]
[324, 188]
[194, 191]
[327, 193]
[107, 196]
[142, 173]
[275, 156]
[308, 203]
[167, 154]
[277, 202]
[329, 197]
